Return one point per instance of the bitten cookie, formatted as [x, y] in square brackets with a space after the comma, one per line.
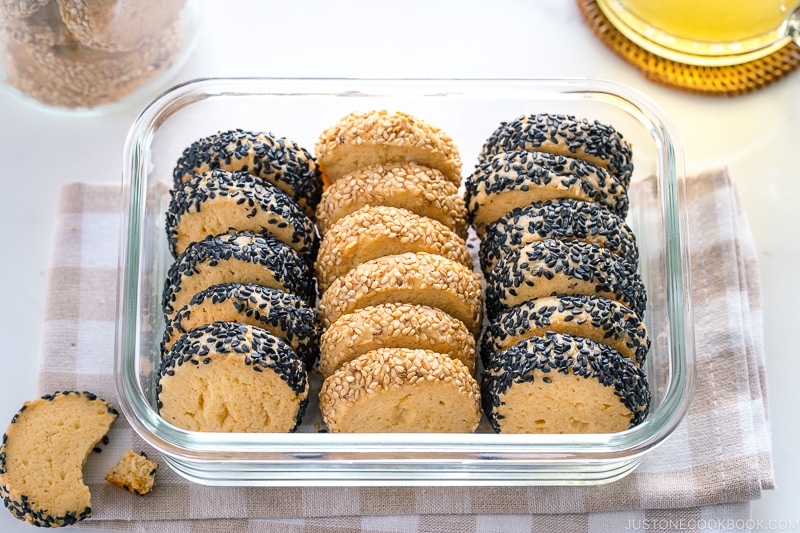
[413, 278]
[43, 453]
[373, 232]
[364, 138]
[393, 325]
[401, 390]
[568, 135]
[593, 317]
[420, 189]
[285, 315]
[133, 472]
[558, 383]
[277, 160]
[565, 219]
[215, 201]
[231, 377]
[511, 180]
[236, 258]
[554, 267]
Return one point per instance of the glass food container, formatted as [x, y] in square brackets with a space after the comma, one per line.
[468, 110]
[94, 55]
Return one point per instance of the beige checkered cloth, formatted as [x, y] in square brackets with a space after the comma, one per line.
[701, 478]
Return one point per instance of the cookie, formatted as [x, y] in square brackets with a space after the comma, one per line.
[554, 267]
[133, 472]
[364, 138]
[239, 257]
[393, 325]
[113, 26]
[420, 189]
[215, 201]
[285, 315]
[567, 135]
[557, 383]
[413, 278]
[565, 219]
[231, 377]
[373, 232]
[277, 160]
[43, 453]
[594, 317]
[41, 29]
[401, 390]
[12, 9]
[510, 180]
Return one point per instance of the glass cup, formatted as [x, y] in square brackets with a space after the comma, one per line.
[706, 32]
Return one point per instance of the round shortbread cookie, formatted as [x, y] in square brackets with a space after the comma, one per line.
[231, 377]
[568, 135]
[393, 325]
[414, 278]
[113, 26]
[20, 8]
[565, 219]
[510, 180]
[557, 383]
[240, 257]
[43, 453]
[364, 138]
[555, 267]
[373, 232]
[277, 160]
[401, 390]
[285, 315]
[216, 201]
[419, 189]
[594, 317]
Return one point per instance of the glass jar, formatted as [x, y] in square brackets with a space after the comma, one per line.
[92, 55]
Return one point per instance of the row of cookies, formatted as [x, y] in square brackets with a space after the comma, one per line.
[400, 305]
[242, 330]
[78, 53]
[564, 347]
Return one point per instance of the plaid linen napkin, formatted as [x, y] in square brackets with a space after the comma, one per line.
[701, 478]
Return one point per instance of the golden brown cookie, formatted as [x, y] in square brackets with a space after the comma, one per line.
[133, 472]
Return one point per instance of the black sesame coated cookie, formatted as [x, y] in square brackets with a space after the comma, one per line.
[509, 180]
[592, 141]
[558, 383]
[231, 377]
[43, 453]
[555, 267]
[278, 160]
[594, 317]
[285, 315]
[239, 257]
[215, 201]
[565, 219]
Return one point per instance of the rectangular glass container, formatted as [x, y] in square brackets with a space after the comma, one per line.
[468, 110]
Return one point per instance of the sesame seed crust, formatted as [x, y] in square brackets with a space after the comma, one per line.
[418, 188]
[510, 180]
[227, 376]
[285, 315]
[568, 135]
[42, 455]
[279, 161]
[416, 278]
[373, 232]
[401, 390]
[552, 266]
[236, 257]
[599, 319]
[565, 219]
[364, 138]
[41, 28]
[215, 201]
[393, 325]
[21, 8]
[539, 365]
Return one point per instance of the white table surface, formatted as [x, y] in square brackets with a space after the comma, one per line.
[756, 136]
